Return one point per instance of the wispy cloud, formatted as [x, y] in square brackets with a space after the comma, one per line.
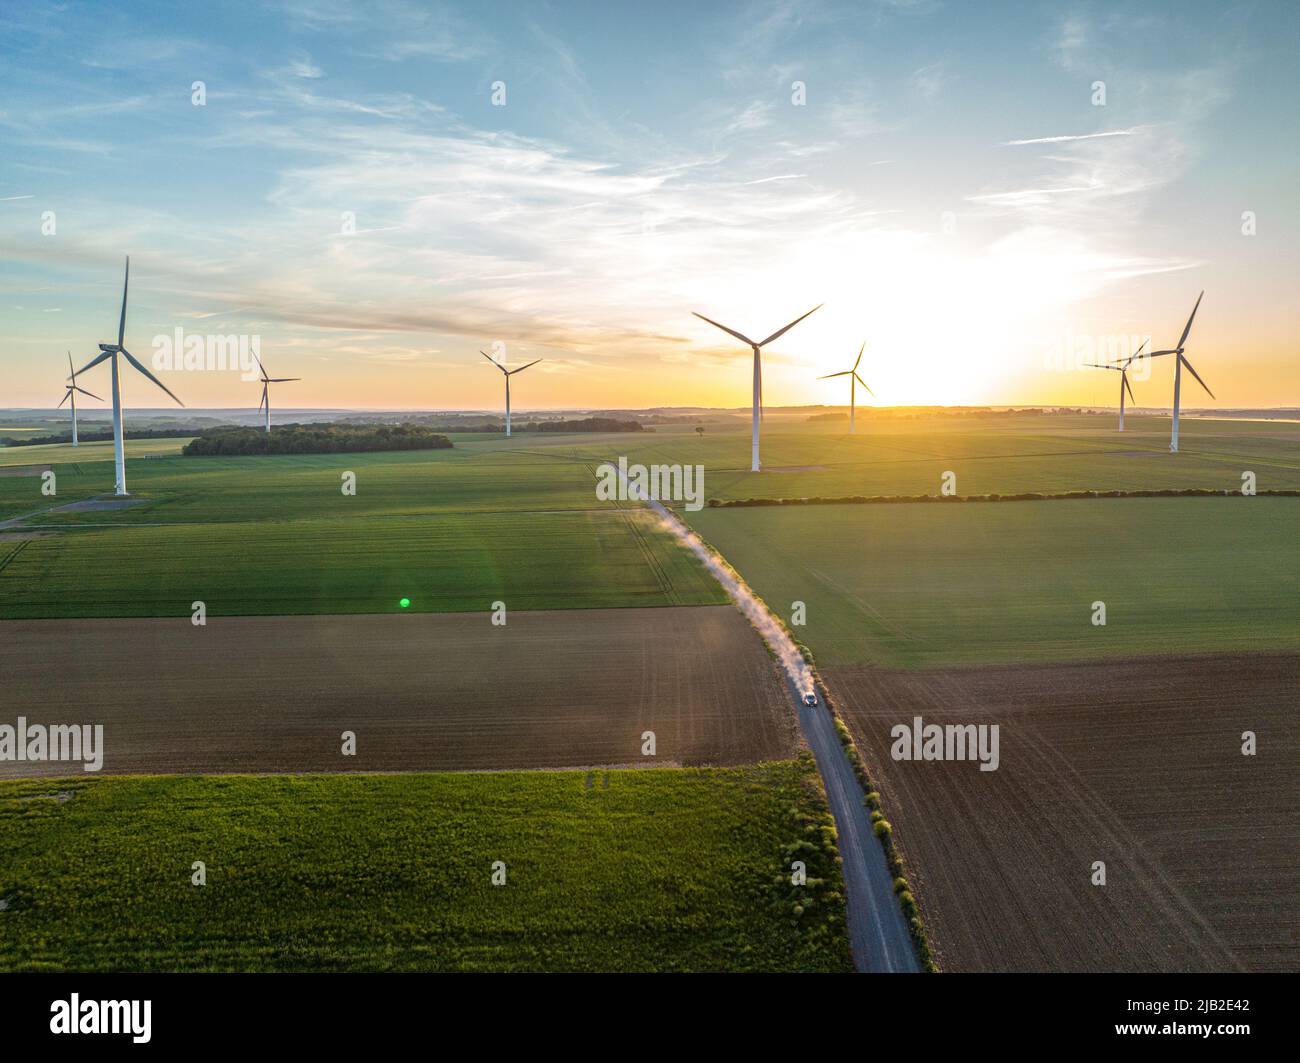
[1073, 136]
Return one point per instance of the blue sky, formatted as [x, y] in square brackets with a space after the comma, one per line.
[949, 188]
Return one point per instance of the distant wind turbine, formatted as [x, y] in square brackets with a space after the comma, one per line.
[111, 351]
[1122, 369]
[508, 374]
[267, 381]
[758, 371]
[854, 381]
[70, 392]
[1178, 371]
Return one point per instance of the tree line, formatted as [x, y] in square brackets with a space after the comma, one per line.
[101, 436]
[314, 439]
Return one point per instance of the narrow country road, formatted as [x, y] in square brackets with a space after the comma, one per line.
[877, 932]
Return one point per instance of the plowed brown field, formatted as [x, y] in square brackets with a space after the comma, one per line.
[1136, 763]
[422, 692]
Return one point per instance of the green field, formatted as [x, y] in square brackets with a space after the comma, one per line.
[923, 584]
[651, 870]
[449, 563]
[518, 520]
[997, 453]
[99, 450]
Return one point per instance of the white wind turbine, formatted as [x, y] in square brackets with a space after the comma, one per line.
[111, 351]
[70, 392]
[1178, 371]
[508, 374]
[1122, 369]
[854, 381]
[267, 381]
[758, 371]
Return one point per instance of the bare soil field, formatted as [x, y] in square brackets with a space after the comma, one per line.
[422, 692]
[1137, 763]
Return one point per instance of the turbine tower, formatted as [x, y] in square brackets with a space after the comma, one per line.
[267, 381]
[111, 351]
[854, 381]
[508, 374]
[1178, 371]
[758, 371]
[1122, 369]
[70, 392]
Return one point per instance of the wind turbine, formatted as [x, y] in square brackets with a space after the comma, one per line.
[1122, 369]
[508, 374]
[1178, 371]
[111, 351]
[70, 392]
[267, 381]
[854, 381]
[758, 371]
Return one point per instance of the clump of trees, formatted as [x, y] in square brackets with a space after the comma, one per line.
[315, 439]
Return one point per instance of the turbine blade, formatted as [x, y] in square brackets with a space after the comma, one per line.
[495, 362]
[1197, 375]
[130, 358]
[281, 379]
[1099, 365]
[1129, 388]
[847, 372]
[523, 367]
[859, 361]
[70, 369]
[1188, 328]
[121, 324]
[263, 402]
[85, 392]
[864, 384]
[782, 332]
[91, 364]
[730, 331]
[1157, 354]
[66, 396]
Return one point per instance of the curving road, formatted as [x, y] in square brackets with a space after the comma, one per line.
[877, 932]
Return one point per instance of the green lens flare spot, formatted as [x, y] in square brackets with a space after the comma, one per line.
[405, 603]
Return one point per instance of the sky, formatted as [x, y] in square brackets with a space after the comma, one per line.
[987, 195]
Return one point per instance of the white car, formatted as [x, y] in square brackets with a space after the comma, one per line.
[810, 698]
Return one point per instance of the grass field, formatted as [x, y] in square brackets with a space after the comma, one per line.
[518, 520]
[915, 585]
[997, 453]
[88, 452]
[449, 563]
[658, 870]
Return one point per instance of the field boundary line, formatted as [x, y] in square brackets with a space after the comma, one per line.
[1029, 496]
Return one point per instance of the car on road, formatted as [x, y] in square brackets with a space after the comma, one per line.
[810, 698]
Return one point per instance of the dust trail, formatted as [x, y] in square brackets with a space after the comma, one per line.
[757, 613]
